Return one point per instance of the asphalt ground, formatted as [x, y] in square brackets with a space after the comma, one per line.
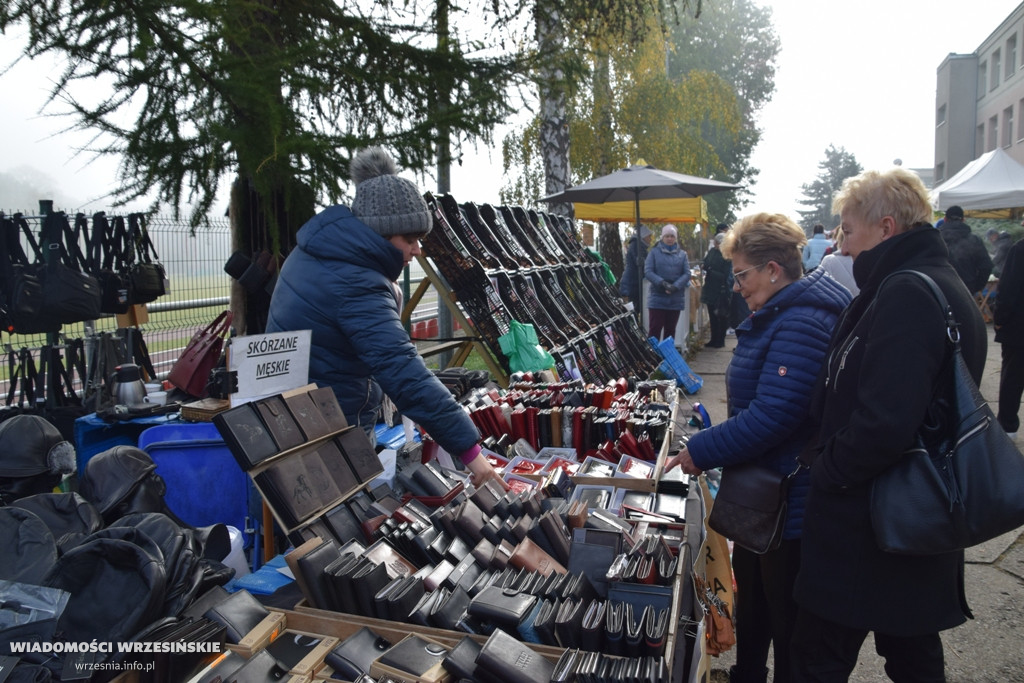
[989, 647]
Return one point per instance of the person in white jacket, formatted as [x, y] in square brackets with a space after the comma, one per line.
[839, 265]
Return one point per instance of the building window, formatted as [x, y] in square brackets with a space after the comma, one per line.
[979, 139]
[996, 61]
[1011, 55]
[993, 133]
[1020, 121]
[940, 172]
[940, 116]
[982, 78]
[1008, 126]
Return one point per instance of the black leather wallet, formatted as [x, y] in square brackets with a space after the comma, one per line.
[450, 612]
[404, 599]
[414, 655]
[245, 435]
[353, 656]
[358, 450]
[501, 607]
[614, 627]
[544, 622]
[312, 566]
[430, 482]
[513, 661]
[337, 467]
[568, 623]
[460, 661]
[327, 402]
[261, 668]
[321, 478]
[368, 579]
[344, 523]
[634, 622]
[592, 628]
[279, 422]
[339, 584]
[380, 599]
[557, 534]
[285, 484]
[469, 521]
[565, 667]
[655, 630]
[239, 613]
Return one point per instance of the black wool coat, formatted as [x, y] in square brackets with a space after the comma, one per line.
[1009, 308]
[875, 389]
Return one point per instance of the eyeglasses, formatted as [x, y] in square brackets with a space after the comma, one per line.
[742, 275]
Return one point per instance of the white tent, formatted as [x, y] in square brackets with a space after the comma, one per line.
[992, 181]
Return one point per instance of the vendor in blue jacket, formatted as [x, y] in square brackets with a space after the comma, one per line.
[340, 282]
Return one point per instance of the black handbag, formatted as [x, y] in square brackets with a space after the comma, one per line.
[22, 309]
[961, 490]
[750, 507]
[147, 278]
[108, 252]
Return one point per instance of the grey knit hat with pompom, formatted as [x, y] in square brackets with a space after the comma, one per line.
[389, 205]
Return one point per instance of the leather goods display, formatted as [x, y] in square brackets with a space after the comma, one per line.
[279, 422]
[513, 661]
[312, 566]
[307, 415]
[246, 435]
[191, 371]
[354, 655]
[750, 507]
[239, 613]
[337, 467]
[592, 626]
[958, 488]
[286, 484]
[460, 661]
[529, 555]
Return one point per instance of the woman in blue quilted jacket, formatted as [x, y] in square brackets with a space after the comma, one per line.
[339, 282]
[779, 350]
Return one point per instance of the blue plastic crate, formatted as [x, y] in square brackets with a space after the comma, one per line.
[93, 435]
[205, 485]
[674, 365]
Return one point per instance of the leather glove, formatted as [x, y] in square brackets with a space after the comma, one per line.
[667, 286]
[671, 289]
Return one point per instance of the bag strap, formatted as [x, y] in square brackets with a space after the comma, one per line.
[952, 326]
[15, 250]
[140, 352]
[140, 236]
[121, 243]
[220, 325]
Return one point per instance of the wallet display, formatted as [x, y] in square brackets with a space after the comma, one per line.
[246, 436]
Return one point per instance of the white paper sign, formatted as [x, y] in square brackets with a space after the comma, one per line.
[268, 364]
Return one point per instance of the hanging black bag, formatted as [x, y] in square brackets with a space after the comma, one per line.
[22, 305]
[961, 492]
[108, 264]
[63, 404]
[22, 377]
[70, 295]
[147, 278]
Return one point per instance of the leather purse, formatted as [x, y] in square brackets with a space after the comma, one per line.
[460, 661]
[568, 623]
[750, 507]
[469, 521]
[367, 579]
[512, 661]
[191, 371]
[544, 622]
[312, 566]
[354, 655]
[450, 611]
[413, 655]
[339, 583]
[402, 601]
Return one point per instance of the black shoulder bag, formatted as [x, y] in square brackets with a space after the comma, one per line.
[107, 261]
[962, 491]
[147, 277]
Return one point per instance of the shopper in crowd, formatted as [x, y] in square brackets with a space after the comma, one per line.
[839, 265]
[886, 359]
[631, 284]
[780, 349]
[717, 291]
[339, 282]
[1001, 243]
[814, 250]
[1008, 320]
[967, 252]
[667, 268]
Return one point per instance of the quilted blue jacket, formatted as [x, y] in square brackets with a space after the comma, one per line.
[338, 283]
[779, 351]
[667, 264]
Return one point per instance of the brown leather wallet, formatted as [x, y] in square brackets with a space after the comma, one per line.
[531, 556]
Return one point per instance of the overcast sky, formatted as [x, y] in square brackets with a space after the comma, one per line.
[858, 75]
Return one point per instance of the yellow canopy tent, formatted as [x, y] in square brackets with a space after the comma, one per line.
[677, 210]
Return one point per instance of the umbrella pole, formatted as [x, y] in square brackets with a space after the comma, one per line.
[640, 266]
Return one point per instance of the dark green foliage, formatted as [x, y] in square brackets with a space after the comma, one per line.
[837, 167]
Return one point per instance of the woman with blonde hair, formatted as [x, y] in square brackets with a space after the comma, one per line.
[780, 348]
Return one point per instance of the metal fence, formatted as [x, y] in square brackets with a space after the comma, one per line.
[199, 291]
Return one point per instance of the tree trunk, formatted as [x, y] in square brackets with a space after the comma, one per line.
[554, 119]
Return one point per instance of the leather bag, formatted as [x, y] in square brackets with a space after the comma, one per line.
[146, 277]
[963, 489]
[750, 507]
[191, 371]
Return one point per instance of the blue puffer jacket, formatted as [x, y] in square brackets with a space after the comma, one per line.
[667, 264]
[779, 351]
[338, 283]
